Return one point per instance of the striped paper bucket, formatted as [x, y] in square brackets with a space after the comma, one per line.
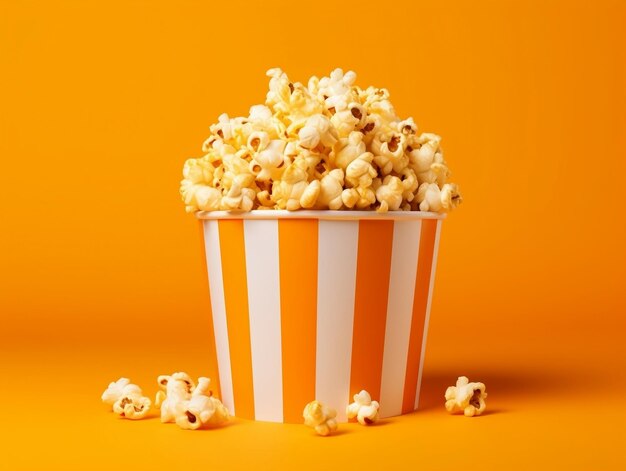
[319, 305]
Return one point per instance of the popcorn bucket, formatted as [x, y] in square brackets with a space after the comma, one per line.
[319, 305]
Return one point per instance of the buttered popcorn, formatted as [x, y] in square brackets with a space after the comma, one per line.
[126, 399]
[466, 397]
[363, 408]
[189, 405]
[320, 417]
[326, 145]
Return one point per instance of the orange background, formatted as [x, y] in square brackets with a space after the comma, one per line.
[102, 272]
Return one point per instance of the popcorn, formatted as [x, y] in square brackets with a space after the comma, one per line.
[320, 417]
[317, 130]
[350, 197]
[258, 141]
[363, 408]
[132, 406]
[189, 405]
[175, 391]
[431, 198]
[450, 197]
[347, 117]
[287, 192]
[360, 172]
[269, 160]
[337, 84]
[126, 399]
[389, 194]
[388, 149]
[331, 187]
[261, 118]
[410, 184]
[202, 411]
[467, 397]
[196, 190]
[310, 194]
[407, 126]
[347, 150]
[326, 145]
[238, 198]
[117, 389]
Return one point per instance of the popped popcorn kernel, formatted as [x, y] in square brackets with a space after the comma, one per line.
[320, 418]
[331, 187]
[467, 397]
[126, 399]
[202, 411]
[117, 389]
[389, 194]
[175, 390]
[363, 408]
[328, 125]
[189, 405]
[132, 406]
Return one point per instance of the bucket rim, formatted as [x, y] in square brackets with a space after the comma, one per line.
[344, 215]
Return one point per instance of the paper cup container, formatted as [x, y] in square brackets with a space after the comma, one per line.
[319, 305]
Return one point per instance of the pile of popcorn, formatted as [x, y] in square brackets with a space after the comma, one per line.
[327, 145]
[181, 401]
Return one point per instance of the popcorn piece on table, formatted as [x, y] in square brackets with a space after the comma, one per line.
[467, 397]
[126, 399]
[320, 417]
[175, 389]
[191, 406]
[363, 408]
[117, 389]
[202, 411]
[132, 406]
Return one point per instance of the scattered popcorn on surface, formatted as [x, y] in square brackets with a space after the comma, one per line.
[175, 390]
[189, 405]
[117, 389]
[202, 411]
[132, 406]
[320, 417]
[467, 397]
[363, 408]
[326, 145]
[126, 399]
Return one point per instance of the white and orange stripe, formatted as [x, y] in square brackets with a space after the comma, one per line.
[319, 305]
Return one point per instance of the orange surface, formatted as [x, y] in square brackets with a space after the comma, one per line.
[298, 293]
[102, 271]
